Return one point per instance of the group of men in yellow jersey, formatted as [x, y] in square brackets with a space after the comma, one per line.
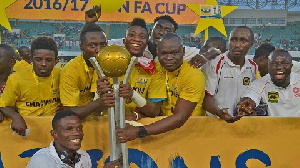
[172, 71]
[162, 82]
[169, 86]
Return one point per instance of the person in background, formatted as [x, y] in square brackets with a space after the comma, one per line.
[212, 47]
[24, 53]
[7, 62]
[261, 58]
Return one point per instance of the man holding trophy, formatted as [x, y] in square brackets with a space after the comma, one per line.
[142, 80]
[182, 81]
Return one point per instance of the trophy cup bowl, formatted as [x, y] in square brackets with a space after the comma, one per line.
[113, 60]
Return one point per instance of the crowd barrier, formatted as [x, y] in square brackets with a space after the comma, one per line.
[203, 142]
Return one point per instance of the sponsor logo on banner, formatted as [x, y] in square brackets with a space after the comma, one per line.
[211, 11]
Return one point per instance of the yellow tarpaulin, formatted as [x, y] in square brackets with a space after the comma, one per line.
[201, 142]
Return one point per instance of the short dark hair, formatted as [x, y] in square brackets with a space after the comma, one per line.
[60, 115]
[281, 51]
[138, 22]
[22, 48]
[89, 27]
[42, 42]
[245, 27]
[9, 49]
[170, 35]
[218, 40]
[168, 18]
[263, 50]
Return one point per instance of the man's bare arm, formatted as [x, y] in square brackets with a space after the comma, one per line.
[18, 123]
[182, 112]
[210, 106]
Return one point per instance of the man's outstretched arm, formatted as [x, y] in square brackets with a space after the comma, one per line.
[182, 112]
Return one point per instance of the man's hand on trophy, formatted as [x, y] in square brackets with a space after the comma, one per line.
[108, 99]
[135, 116]
[92, 15]
[127, 134]
[125, 91]
[103, 86]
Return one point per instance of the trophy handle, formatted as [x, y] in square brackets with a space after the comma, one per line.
[111, 116]
[124, 149]
[118, 115]
[95, 64]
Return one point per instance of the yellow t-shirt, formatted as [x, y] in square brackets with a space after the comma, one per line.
[149, 86]
[32, 95]
[19, 65]
[258, 75]
[187, 83]
[78, 83]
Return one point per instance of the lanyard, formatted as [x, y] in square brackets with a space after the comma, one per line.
[1, 91]
[169, 89]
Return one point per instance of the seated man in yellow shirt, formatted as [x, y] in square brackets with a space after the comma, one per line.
[24, 52]
[186, 88]
[78, 80]
[34, 89]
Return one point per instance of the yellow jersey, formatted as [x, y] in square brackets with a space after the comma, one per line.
[187, 83]
[258, 75]
[149, 86]
[78, 83]
[30, 94]
[19, 65]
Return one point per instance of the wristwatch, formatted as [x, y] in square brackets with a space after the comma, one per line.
[142, 132]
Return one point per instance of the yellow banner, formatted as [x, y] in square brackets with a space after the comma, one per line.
[74, 10]
[201, 143]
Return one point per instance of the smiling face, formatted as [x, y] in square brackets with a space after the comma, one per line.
[136, 40]
[160, 28]
[280, 67]
[68, 134]
[170, 53]
[43, 61]
[240, 41]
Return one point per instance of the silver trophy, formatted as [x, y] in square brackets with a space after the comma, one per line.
[115, 61]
